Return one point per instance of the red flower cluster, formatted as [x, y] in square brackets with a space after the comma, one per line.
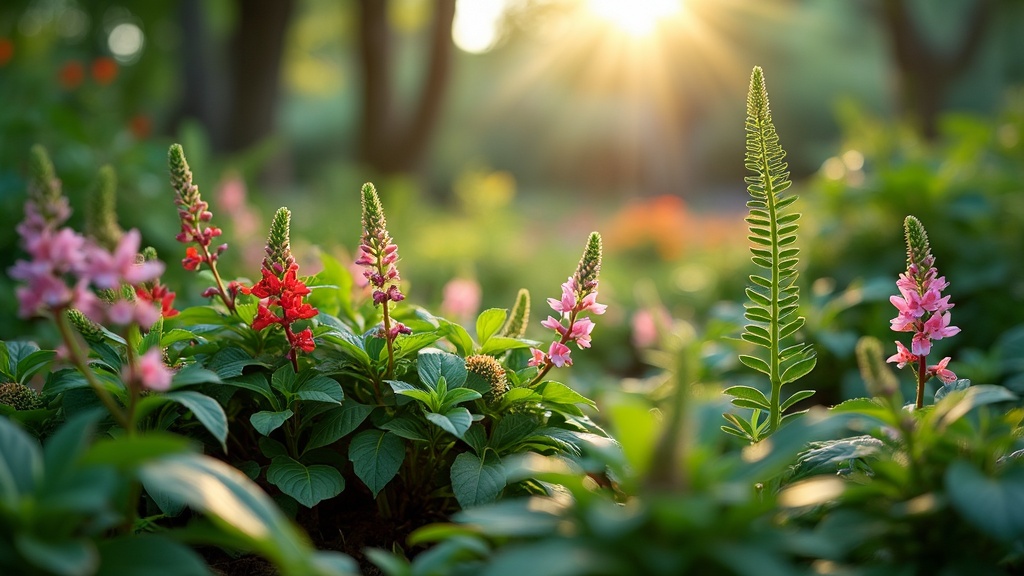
[285, 293]
[159, 294]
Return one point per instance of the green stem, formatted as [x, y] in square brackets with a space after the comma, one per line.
[78, 360]
[773, 326]
[548, 365]
[389, 341]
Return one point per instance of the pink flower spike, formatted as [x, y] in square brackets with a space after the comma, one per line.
[538, 358]
[559, 354]
[902, 357]
[152, 373]
[941, 372]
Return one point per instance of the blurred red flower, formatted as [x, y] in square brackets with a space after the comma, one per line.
[6, 51]
[104, 70]
[71, 74]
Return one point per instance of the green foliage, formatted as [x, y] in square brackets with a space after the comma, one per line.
[774, 297]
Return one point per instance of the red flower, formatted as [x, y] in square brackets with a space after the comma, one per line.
[158, 293]
[71, 75]
[304, 341]
[192, 259]
[6, 51]
[104, 70]
[264, 317]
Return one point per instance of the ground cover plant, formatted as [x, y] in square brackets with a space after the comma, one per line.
[293, 412]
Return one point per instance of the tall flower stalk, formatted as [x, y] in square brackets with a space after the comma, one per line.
[579, 295]
[195, 229]
[281, 289]
[378, 255]
[922, 308]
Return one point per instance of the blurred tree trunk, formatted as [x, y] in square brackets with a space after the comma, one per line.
[203, 85]
[256, 52]
[388, 142]
[926, 72]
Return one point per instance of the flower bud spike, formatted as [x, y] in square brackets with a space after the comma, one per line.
[101, 211]
[89, 330]
[878, 378]
[44, 189]
[919, 252]
[279, 254]
[181, 177]
[519, 319]
[590, 264]
[374, 222]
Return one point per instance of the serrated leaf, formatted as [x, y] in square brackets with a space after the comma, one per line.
[512, 429]
[376, 456]
[477, 481]
[321, 389]
[308, 485]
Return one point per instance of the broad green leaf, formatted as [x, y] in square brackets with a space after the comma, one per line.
[175, 336]
[477, 481]
[230, 362]
[331, 287]
[457, 396]
[432, 364]
[266, 422]
[321, 389]
[68, 443]
[338, 423]
[455, 421]
[376, 456]
[498, 344]
[149, 554]
[67, 557]
[408, 344]
[309, 485]
[458, 336]
[18, 350]
[511, 430]
[993, 505]
[559, 393]
[489, 322]
[152, 338]
[826, 457]
[194, 374]
[129, 452]
[429, 399]
[517, 395]
[955, 386]
[406, 427]
[199, 315]
[254, 382]
[236, 503]
[207, 411]
[34, 362]
[957, 405]
[349, 343]
[21, 463]
[5, 363]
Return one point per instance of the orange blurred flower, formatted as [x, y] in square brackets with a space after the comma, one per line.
[141, 126]
[71, 75]
[6, 51]
[104, 70]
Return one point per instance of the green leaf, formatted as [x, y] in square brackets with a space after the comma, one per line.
[477, 481]
[826, 457]
[489, 322]
[407, 427]
[457, 396]
[338, 423]
[309, 485]
[266, 422]
[67, 444]
[34, 362]
[796, 397]
[428, 398]
[230, 362]
[752, 395]
[129, 452]
[957, 405]
[254, 382]
[955, 386]
[236, 503]
[458, 336]
[559, 393]
[798, 369]
[151, 555]
[175, 336]
[21, 463]
[17, 350]
[455, 421]
[517, 395]
[152, 338]
[407, 344]
[350, 343]
[993, 505]
[207, 411]
[5, 363]
[63, 557]
[498, 344]
[511, 430]
[331, 287]
[192, 375]
[321, 389]
[755, 363]
[376, 456]
[432, 364]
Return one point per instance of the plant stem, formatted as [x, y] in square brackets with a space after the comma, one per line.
[548, 364]
[78, 360]
[216, 278]
[922, 377]
[389, 341]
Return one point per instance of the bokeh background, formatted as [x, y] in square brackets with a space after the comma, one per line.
[501, 132]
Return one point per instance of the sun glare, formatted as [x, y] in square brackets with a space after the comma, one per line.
[475, 29]
[637, 18]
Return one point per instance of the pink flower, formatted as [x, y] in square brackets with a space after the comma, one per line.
[538, 358]
[151, 372]
[554, 324]
[461, 298]
[937, 327]
[110, 270]
[589, 302]
[940, 371]
[902, 357]
[568, 301]
[559, 354]
[920, 344]
[580, 332]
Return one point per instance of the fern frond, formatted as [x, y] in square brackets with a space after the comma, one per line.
[773, 293]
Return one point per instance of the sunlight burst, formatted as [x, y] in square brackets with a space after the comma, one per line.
[635, 17]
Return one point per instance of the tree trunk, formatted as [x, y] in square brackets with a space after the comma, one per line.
[389, 143]
[925, 72]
